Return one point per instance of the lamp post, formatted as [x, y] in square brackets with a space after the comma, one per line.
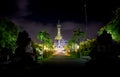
[85, 21]
[85, 26]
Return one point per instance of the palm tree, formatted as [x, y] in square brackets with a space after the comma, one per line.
[48, 43]
[75, 38]
[49, 46]
[44, 37]
[78, 33]
[41, 35]
[71, 42]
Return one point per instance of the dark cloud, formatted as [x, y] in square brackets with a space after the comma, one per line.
[23, 10]
[74, 10]
[35, 15]
[66, 30]
[33, 27]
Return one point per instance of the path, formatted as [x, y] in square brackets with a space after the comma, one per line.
[60, 60]
[58, 65]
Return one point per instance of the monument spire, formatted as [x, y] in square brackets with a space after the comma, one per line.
[58, 38]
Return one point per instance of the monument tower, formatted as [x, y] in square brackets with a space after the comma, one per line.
[58, 38]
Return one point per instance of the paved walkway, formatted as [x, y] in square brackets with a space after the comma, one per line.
[60, 58]
[59, 64]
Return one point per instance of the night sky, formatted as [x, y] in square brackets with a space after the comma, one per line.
[36, 15]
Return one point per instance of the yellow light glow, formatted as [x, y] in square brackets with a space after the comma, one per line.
[118, 56]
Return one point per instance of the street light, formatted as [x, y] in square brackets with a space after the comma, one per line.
[85, 21]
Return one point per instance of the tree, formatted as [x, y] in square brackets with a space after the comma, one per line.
[78, 33]
[44, 37]
[48, 43]
[22, 41]
[8, 36]
[103, 48]
[41, 35]
[87, 46]
[24, 51]
[72, 43]
[113, 27]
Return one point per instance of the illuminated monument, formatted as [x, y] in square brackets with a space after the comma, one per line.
[58, 38]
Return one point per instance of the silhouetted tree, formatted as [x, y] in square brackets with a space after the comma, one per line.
[101, 51]
[104, 39]
[107, 46]
[113, 27]
[24, 51]
[8, 36]
[77, 34]
[72, 43]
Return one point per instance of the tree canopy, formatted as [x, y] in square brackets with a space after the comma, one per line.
[113, 27]
[8, 34]
[44, 37]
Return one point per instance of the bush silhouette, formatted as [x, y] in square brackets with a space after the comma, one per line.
[24, 51]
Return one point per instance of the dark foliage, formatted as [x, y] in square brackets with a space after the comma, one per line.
[106, 51]
[21, 56]
[8, 36]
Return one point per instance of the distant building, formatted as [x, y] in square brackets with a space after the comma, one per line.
[59, 41]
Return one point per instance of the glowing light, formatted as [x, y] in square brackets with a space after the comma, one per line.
[118, 56]
[59, 51]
